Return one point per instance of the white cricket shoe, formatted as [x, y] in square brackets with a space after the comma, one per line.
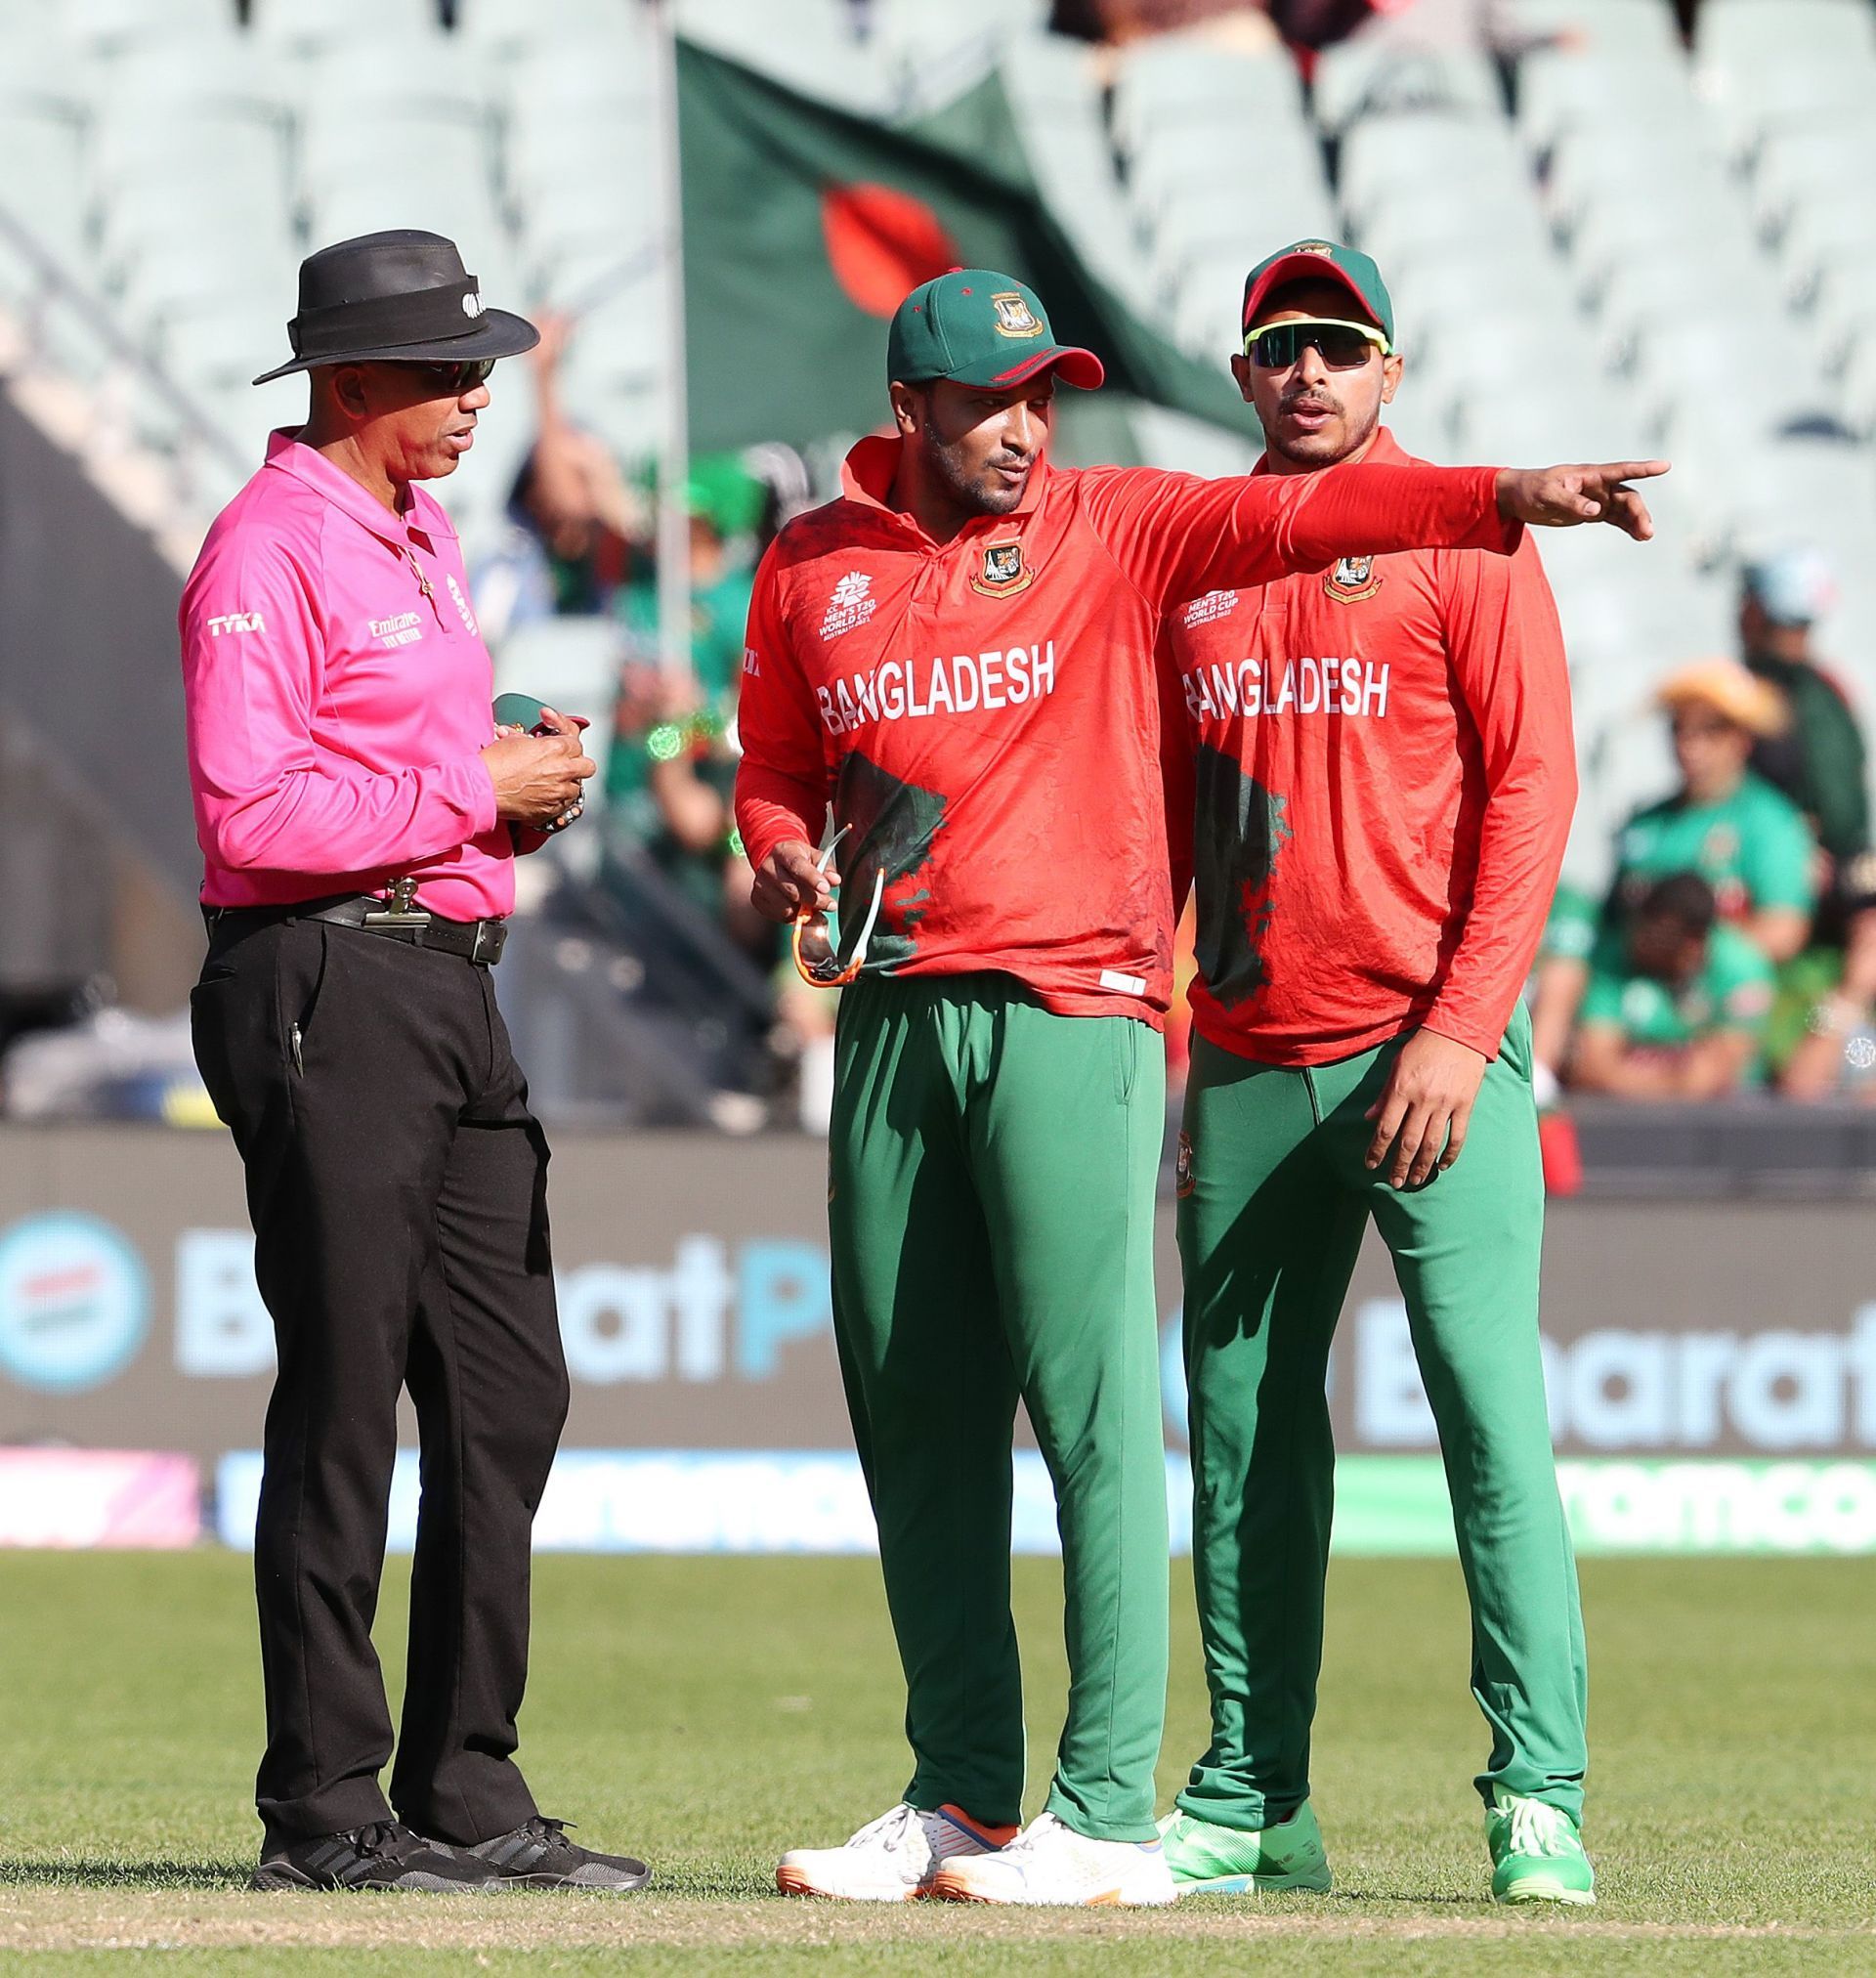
[1052, 1864]
[890, 1859]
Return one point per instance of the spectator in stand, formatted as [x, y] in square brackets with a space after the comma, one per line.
[1827, 995]
[671, 770]
[576, 529]
[1113, 24]
[1746, 840]
[1822, 1036]
[672, 762]
[1817, 758]
[1683, 1015]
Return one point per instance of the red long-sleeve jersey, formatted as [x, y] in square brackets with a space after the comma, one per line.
[1372, 792]
[983, 713]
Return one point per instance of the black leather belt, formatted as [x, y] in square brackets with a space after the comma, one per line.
[477, 941]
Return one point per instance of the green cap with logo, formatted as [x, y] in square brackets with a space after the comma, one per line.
[977, 328]
[1321, 261]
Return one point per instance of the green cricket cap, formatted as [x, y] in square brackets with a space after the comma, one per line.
[979, 327]
[1321, 261]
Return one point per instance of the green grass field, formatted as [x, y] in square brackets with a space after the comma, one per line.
[711, 1712]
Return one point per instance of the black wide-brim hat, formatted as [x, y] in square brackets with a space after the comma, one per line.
[400, 297]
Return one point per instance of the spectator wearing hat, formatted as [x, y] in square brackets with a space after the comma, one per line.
[1827, 995]
[360, 816]
[1682, 1013]
[1746, 838]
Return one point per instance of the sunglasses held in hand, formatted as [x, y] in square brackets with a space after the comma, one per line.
[816, 935]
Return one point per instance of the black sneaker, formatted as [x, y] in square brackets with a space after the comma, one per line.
[538, 1856]
[383, 1856]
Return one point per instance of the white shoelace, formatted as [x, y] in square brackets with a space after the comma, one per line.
[891, 1831]
[1538, 1829]
[1044, 1827]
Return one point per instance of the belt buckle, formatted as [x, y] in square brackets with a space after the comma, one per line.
[403, 909]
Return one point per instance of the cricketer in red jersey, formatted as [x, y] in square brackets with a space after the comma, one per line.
[957, 655]
[1379, 782]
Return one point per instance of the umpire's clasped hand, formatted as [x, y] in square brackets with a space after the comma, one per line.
[537, 778]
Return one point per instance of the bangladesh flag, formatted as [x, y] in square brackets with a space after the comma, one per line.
[804, 226]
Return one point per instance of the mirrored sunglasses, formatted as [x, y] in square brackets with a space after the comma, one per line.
[1342, 346]
[816, 935]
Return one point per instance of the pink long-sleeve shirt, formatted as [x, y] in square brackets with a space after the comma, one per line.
[338, 698]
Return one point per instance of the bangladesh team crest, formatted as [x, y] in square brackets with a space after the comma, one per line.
[1014, 317]
[1182, 1168]
[1352, 579]
[1004, 572]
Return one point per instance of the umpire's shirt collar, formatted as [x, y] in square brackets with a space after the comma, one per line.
[286, 453]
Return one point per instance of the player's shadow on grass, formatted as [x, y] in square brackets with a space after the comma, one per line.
[121, 1874]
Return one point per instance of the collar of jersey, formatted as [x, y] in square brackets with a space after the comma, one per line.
[305, 464]
[1387, 452]
[867, 478]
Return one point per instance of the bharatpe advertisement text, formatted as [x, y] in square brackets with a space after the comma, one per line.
[1700, 1398]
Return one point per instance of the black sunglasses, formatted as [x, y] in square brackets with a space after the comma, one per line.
[1342, 346]
[454, 380]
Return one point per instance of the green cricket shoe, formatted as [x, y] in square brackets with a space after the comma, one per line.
[1226, 1861]
[1537, 1852]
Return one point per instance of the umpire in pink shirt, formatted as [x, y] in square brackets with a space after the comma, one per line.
[360, 818]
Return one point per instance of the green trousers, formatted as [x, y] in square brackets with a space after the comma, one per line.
[1273, 1214]
[989, 1208]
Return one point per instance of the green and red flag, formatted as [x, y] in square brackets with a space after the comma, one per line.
[805, 226]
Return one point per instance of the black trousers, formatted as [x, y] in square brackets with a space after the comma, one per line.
[396, 1184]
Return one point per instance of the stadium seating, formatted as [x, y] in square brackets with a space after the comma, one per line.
[502, 26]
[1359, 78]
[1609, 242]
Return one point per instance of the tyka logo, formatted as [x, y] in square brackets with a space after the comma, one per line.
[235, 622]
